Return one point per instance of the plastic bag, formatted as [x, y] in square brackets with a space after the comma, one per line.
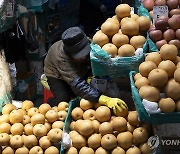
[5, 81]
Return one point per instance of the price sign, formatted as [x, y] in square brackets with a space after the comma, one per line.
[159, 11]
[132, 10]
[100, 84]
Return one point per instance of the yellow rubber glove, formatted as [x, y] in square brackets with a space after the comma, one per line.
[89, 79]
[116, 104]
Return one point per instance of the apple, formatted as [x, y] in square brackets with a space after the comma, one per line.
[44, 108]
[39, 130]
[118, 150]
[44, 142]
[37, 119]
[16, 141]
[62, 115]
[51, 150]
[16, 116]
[17, 129]
[5, 128]
[86, 150]
[26, 119]
[8, 108]
[125, 139]
[63, 106]
[73, 133]
[28, 129]
[32, 111]
[4, 118]
[145, 148]
[30, 141]
[27, 104]
[22, 150]
[36, 150]
[72, 150]
[58, 124]
[85, 104]
[55, 135]
[77, 113]
[51, 116]
[133, 149]
[133, 118]
[89, 114]
[8, 150]
[23, 111]
[140, 135]
[4, 139]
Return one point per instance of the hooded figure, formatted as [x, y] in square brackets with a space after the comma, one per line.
[67, 67]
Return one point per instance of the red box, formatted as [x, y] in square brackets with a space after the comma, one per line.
[47, 94]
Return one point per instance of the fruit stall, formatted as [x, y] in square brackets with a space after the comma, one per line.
[137, 50]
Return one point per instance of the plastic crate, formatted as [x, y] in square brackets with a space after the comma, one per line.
[47, 94]
[158, 118]
[103, 65]
[72, 104]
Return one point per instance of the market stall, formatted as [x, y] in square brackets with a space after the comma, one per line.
[134, 56]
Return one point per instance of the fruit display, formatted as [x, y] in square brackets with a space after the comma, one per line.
[166, 29]
[30, 129]
[173, 6]
[122, 34]
[158, 78]
[94, 129]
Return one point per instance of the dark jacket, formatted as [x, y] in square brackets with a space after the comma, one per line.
[58, 65]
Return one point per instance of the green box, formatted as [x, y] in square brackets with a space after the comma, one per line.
[158, 118]
[103, 65]
[72, 104]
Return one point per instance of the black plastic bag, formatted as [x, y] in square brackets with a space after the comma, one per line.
[32, 42]
[14, 43]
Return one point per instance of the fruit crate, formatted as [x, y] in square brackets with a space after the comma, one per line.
[142, 11]
[103, 65]
[157, 118]
[72, 104]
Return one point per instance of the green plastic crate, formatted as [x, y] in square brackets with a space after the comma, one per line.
[158, 118]
[103, 65]
[72, 104]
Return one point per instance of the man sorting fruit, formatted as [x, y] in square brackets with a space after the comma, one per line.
[67, 67]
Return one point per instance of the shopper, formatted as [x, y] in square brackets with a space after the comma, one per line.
[67, 67]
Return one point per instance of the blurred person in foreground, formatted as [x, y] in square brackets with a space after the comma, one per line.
[67, 67]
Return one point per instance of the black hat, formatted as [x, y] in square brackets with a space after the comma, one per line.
[75, 42]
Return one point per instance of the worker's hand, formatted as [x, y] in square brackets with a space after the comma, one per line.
[116, 104]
